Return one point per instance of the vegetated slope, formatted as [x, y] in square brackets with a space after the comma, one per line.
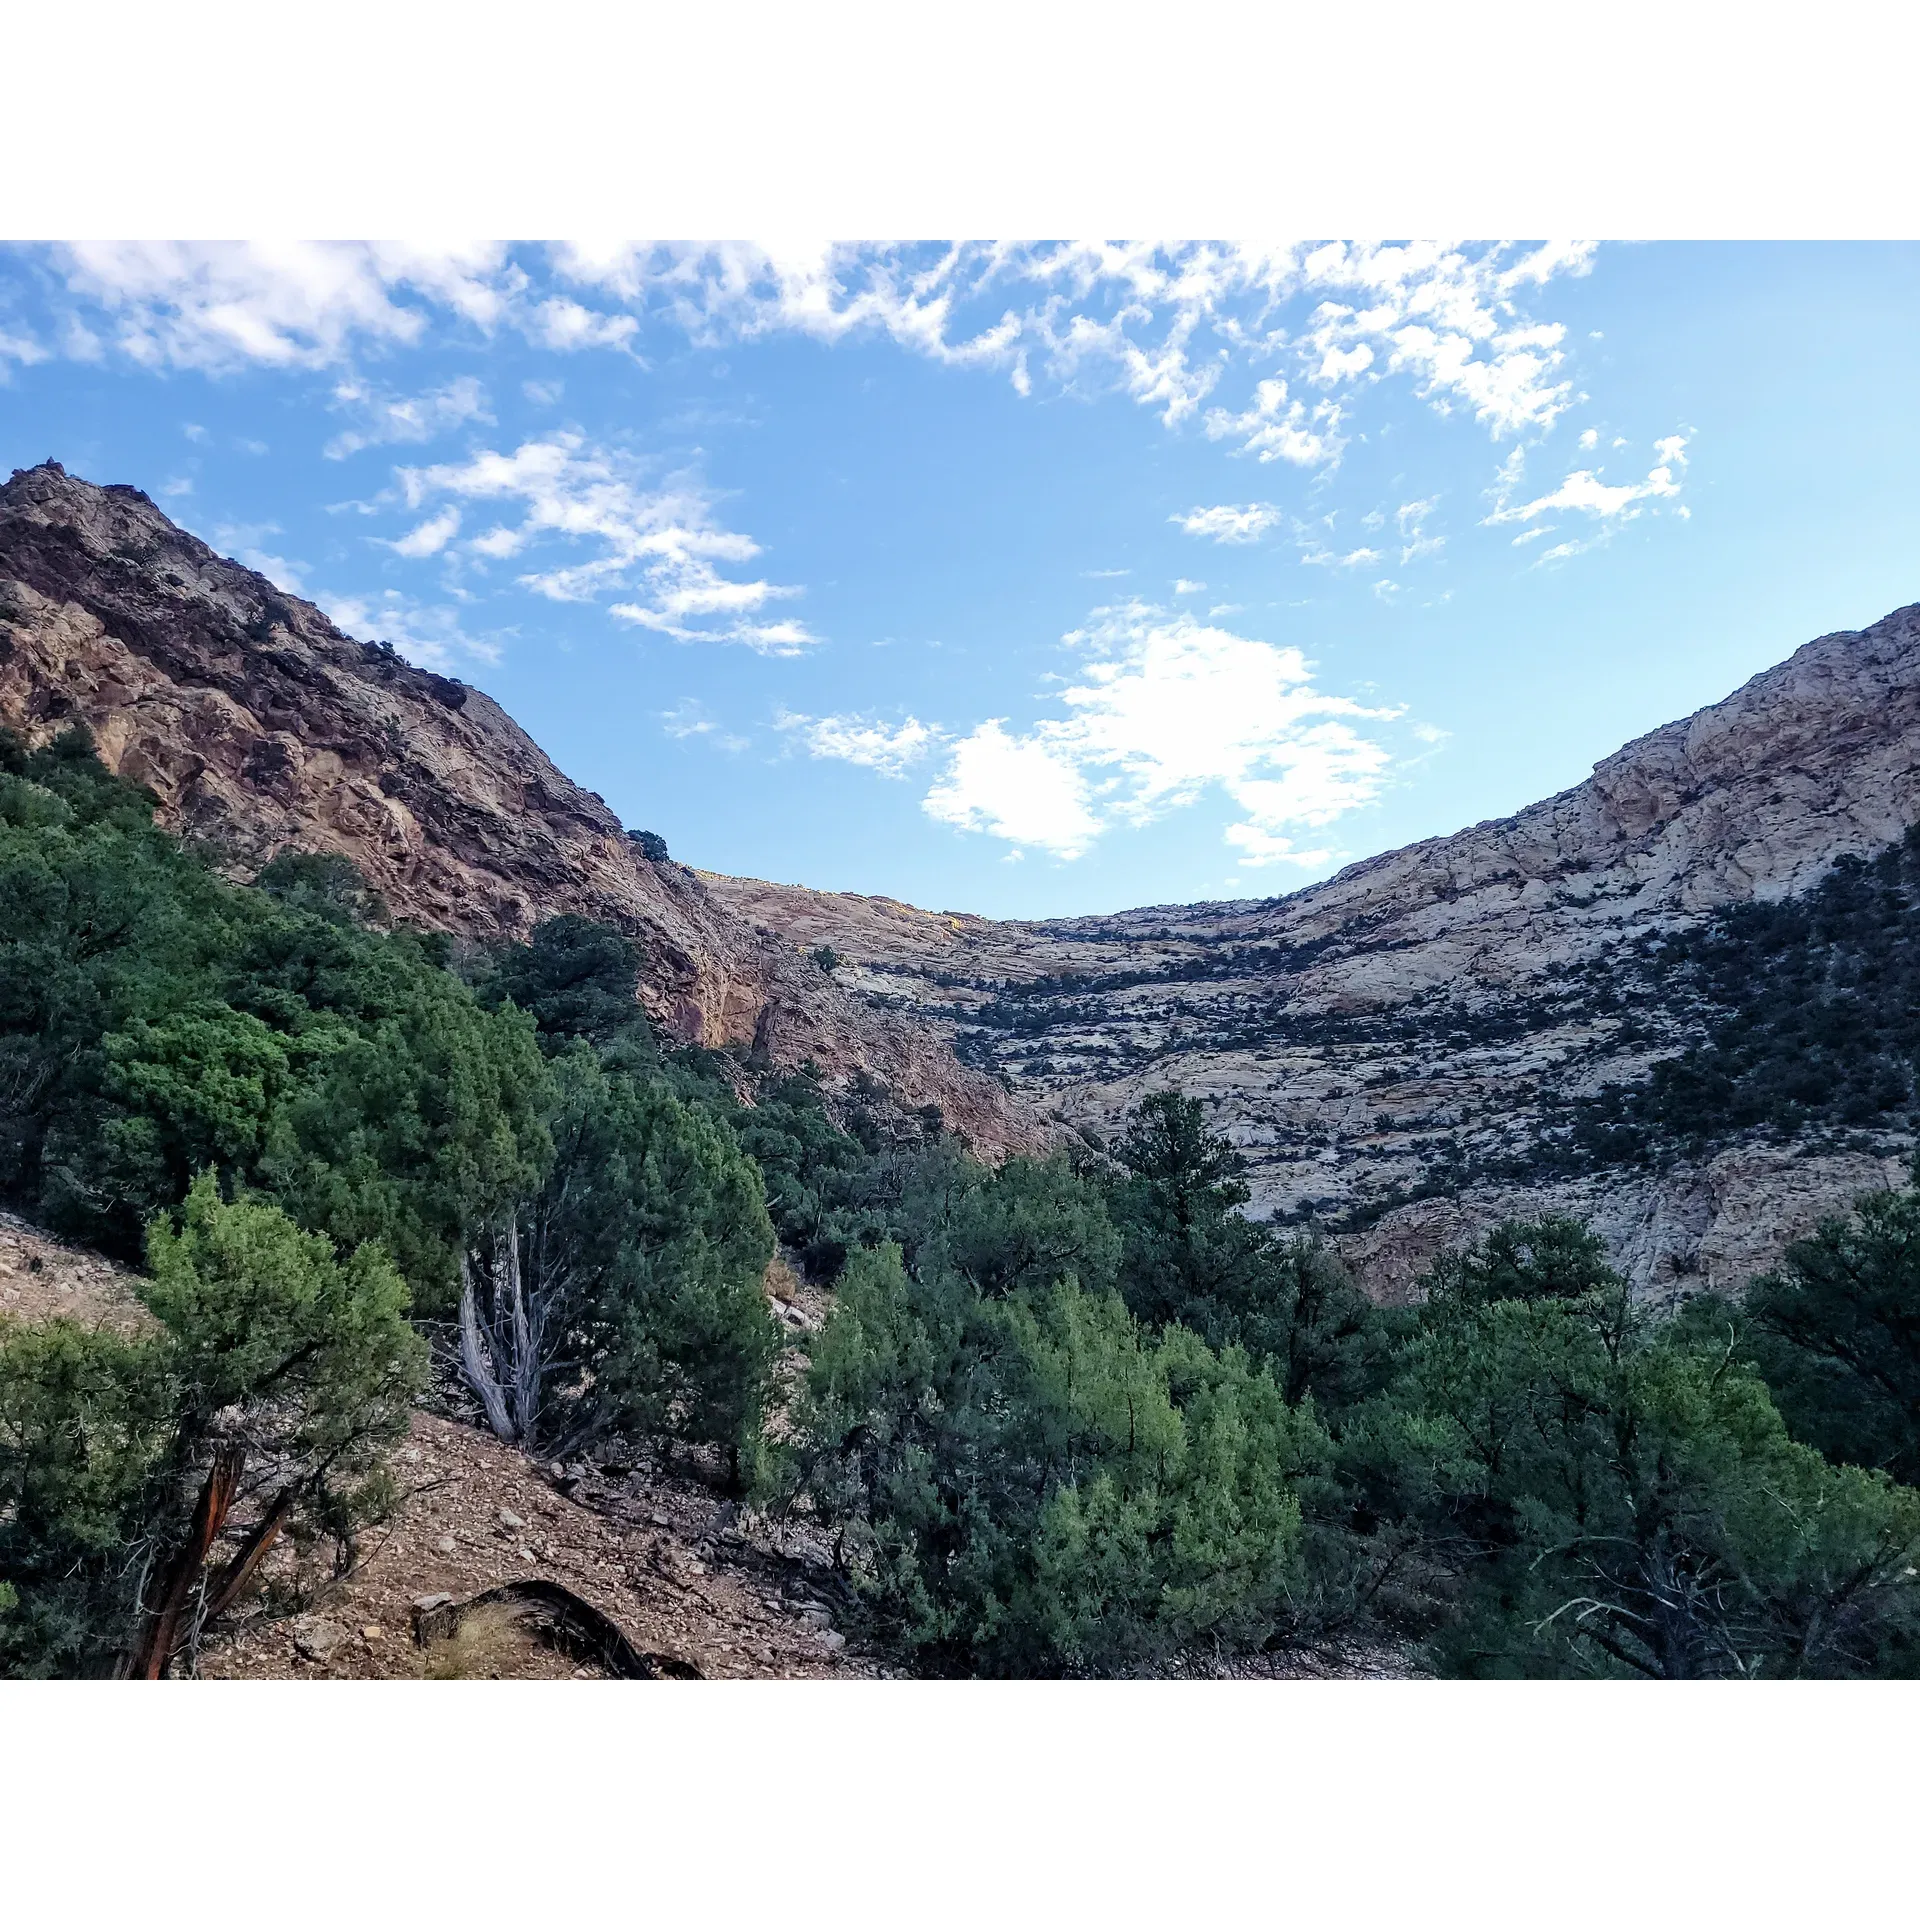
[1398, 1051]
[683, 1572]
[261, 726]
[1391, 1048]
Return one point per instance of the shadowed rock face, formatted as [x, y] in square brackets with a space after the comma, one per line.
[1358, 1035]
[261, 726]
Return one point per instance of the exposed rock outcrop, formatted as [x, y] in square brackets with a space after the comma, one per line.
[261, 726]
[1419, 1007]
[1415, 1012]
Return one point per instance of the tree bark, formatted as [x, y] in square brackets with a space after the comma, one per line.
[155, 1646]
[234, 1581]
[475, 1364]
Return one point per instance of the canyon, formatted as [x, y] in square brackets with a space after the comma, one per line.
[1381, 1047]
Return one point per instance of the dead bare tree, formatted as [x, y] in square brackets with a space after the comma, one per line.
[519, 1299]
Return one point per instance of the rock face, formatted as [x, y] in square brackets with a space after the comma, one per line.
[1417, 1009]
[1417, 1013]
[261, 726]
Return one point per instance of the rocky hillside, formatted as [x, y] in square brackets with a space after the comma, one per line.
[261, 726]
[725, 1592]
[1387, 1046]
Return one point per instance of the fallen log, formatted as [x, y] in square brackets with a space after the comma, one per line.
[574, 1623]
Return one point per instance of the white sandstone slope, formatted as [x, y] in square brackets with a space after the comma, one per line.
[1350, 1035]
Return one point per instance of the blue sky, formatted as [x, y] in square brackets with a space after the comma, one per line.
[1030, 580]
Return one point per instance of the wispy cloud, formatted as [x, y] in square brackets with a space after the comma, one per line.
[217, 306]
[1585, 492]
[385, 419]
[862, 741]
[247, 542]
[1231, 526]
[1411, 518]
[429, 537]
[429, 636]
[1171, 326]
[1276, 427]
[660, 545]
[691, 721]
[1165, 324]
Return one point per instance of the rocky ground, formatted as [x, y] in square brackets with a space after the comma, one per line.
[684, 1572]
[40, 1277]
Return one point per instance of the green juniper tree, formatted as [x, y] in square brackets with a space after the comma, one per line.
[1836, 1333]
[276, 1378]
[1602, 1493]
[624, 1296]
[1036, 1484]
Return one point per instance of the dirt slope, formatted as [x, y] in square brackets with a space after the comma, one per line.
[684, 1572]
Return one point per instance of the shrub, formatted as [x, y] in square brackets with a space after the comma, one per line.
[1606, 1495]
[277, 1378]
[1035, 1484]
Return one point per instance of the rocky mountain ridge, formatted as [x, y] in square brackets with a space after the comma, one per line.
[1382, 1046]
[260, 726]
[1424, 1010]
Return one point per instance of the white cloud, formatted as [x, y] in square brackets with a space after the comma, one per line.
[1589, 440]
[1189, 586]
[1276, 427]
[863, 742]
[662, 542]
[429, 636]
[1231, 526]
[1171, 326]
[1585, 492]
[218, 305]
[1447, 317]
[1163, 710]
[784, 637]
[1165, 324]
[1027, 791]
[565, 326]
[1314, 555]
[388, 419]
[430, 536]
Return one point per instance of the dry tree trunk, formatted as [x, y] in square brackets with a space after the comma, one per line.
[154, 1648]
[238, 1576]
[502, 1362]
[475, 1362]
